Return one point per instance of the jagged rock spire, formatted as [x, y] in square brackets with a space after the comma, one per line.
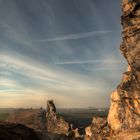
[55, 124]
[51, 109]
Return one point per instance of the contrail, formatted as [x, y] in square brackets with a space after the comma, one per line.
[88, 61]
[76, 36]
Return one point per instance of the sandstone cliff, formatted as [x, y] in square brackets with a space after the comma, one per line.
[124, 112]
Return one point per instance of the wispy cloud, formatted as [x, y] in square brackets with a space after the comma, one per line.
[88, 61]
[37, 63]
[64, 83]
[41, 73]
[77, 36]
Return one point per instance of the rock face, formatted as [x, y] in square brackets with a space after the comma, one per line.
[124, 112]
[99, 129]
[129, 135]
[55, 124]
[16, 132]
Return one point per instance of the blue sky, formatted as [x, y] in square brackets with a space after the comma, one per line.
[66, 50]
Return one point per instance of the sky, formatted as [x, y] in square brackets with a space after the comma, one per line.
[65, 50]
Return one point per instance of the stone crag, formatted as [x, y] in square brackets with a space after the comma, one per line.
[98, 130]
[55, 124]
[124, 112]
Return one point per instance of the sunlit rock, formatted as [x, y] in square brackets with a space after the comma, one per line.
[55, 124]
[98, 130]
[124, 112]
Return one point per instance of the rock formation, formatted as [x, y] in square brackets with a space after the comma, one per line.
[16, 132]
[124, 112]
[12, 131]
[55, 124]
[98, 130]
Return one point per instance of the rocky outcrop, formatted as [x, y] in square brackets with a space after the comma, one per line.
[16, 132]
[12, 131]
[55, 127]
[124, 112]
[128, 135]
[47, 122]
[56, 124]
[99, 129]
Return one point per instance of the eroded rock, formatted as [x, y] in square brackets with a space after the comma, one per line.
[124, 112]
[99, 129]
[56, 124]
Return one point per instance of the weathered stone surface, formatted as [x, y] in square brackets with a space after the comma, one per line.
[128, 135]
[124, 112]
[98, 130]
[16, 132]
[88, 133]
[56, 124]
